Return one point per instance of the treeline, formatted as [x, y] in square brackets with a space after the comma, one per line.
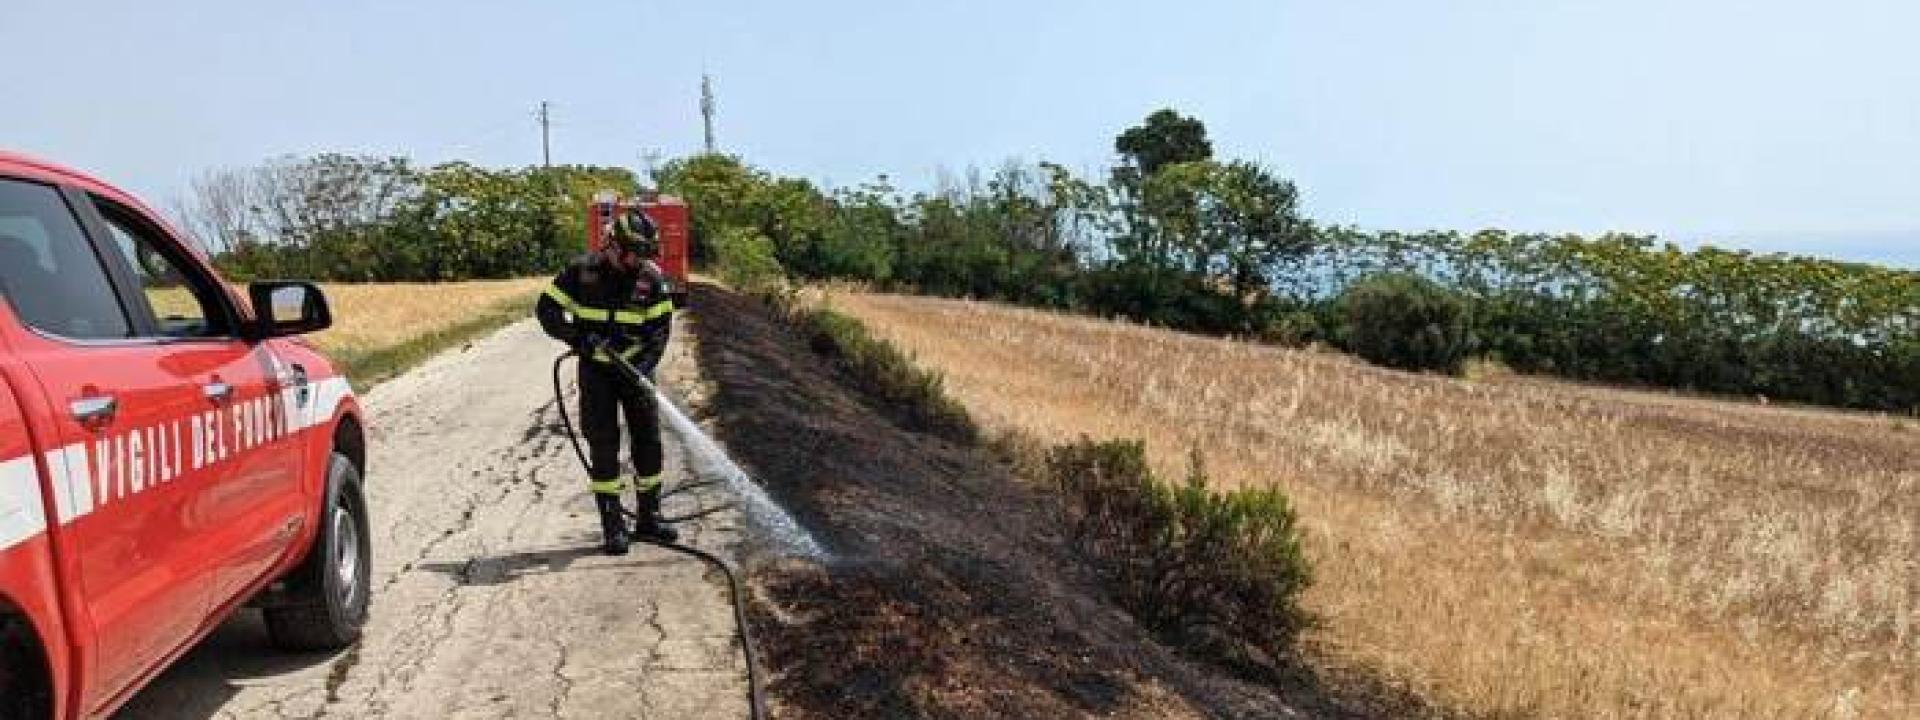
[1177, 238]
[1628, 309]
[1170, 236]
[373, 219]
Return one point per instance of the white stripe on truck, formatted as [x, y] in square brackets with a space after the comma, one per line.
[323, 399]
[72, 486]
[22, 516]
[78, 492]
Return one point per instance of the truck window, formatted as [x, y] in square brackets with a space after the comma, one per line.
[48, 270]
[184, 305]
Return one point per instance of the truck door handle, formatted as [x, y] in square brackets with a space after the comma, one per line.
[94, 411]
[218, 392]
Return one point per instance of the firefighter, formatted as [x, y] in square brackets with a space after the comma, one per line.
[616, 301]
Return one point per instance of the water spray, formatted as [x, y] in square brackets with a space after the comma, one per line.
[711, 467]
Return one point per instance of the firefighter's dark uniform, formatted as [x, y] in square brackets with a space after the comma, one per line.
[633, 313]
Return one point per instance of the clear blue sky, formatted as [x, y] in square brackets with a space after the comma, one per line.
[1789, 125]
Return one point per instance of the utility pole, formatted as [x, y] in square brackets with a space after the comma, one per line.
[706, 107]
[546, 149]
[651, 160]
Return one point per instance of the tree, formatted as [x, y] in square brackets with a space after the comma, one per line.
[572, 188]
[1082, 212]
[793, 214]
[328, 210]
[863, 236]
[1167, 137]
[1233, 225]
[1253, 227]
[723, 192]
[216, 212]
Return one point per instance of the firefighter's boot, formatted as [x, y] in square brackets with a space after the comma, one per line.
[613, 524]
[648, 524]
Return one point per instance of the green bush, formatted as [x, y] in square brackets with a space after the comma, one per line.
[1294, 328]
[744, 258]
[1216, 573]
[1407, 322]
[881, 369]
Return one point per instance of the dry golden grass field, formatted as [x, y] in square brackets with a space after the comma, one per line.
[370, 318]
[374, 318]
[1508, 546]
[380, 328]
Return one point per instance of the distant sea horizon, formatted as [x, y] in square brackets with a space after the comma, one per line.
[1893, 248]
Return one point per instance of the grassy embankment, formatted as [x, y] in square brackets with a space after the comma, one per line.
[381, 330]
[1507, 546]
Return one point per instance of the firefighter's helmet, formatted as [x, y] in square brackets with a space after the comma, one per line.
[634, 231]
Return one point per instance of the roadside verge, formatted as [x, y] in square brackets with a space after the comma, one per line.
[950, 589]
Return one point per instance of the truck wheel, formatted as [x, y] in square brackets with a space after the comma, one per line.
[23, 681]
[325, 602]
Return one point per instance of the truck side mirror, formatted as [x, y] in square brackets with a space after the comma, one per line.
[288, 307]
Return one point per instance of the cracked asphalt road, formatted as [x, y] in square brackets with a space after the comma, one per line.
[491, 600]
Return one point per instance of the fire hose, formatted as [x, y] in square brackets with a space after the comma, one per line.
[755, 696]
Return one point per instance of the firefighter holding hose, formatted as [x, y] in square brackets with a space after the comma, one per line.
[616, 301]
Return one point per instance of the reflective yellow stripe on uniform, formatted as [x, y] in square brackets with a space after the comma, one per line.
[649, 483]
[609, 487]
[579, 311]
[636, 317]
[561, 296]
[628, 354]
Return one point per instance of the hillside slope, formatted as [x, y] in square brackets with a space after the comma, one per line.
[1509, 546]
[948, 592]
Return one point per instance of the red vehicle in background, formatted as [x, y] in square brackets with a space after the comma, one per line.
[169, 452]
[668, 213]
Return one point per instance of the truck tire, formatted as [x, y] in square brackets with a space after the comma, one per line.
[324, 605]
[24, 690]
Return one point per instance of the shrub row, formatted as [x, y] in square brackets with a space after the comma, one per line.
[884, 372]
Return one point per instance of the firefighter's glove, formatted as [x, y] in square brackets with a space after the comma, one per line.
[587, 343]
[655, 347]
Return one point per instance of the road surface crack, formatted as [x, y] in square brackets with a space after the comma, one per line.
[560, 677]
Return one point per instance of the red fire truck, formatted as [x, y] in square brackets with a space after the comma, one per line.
[668, 213]
[169, 451]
